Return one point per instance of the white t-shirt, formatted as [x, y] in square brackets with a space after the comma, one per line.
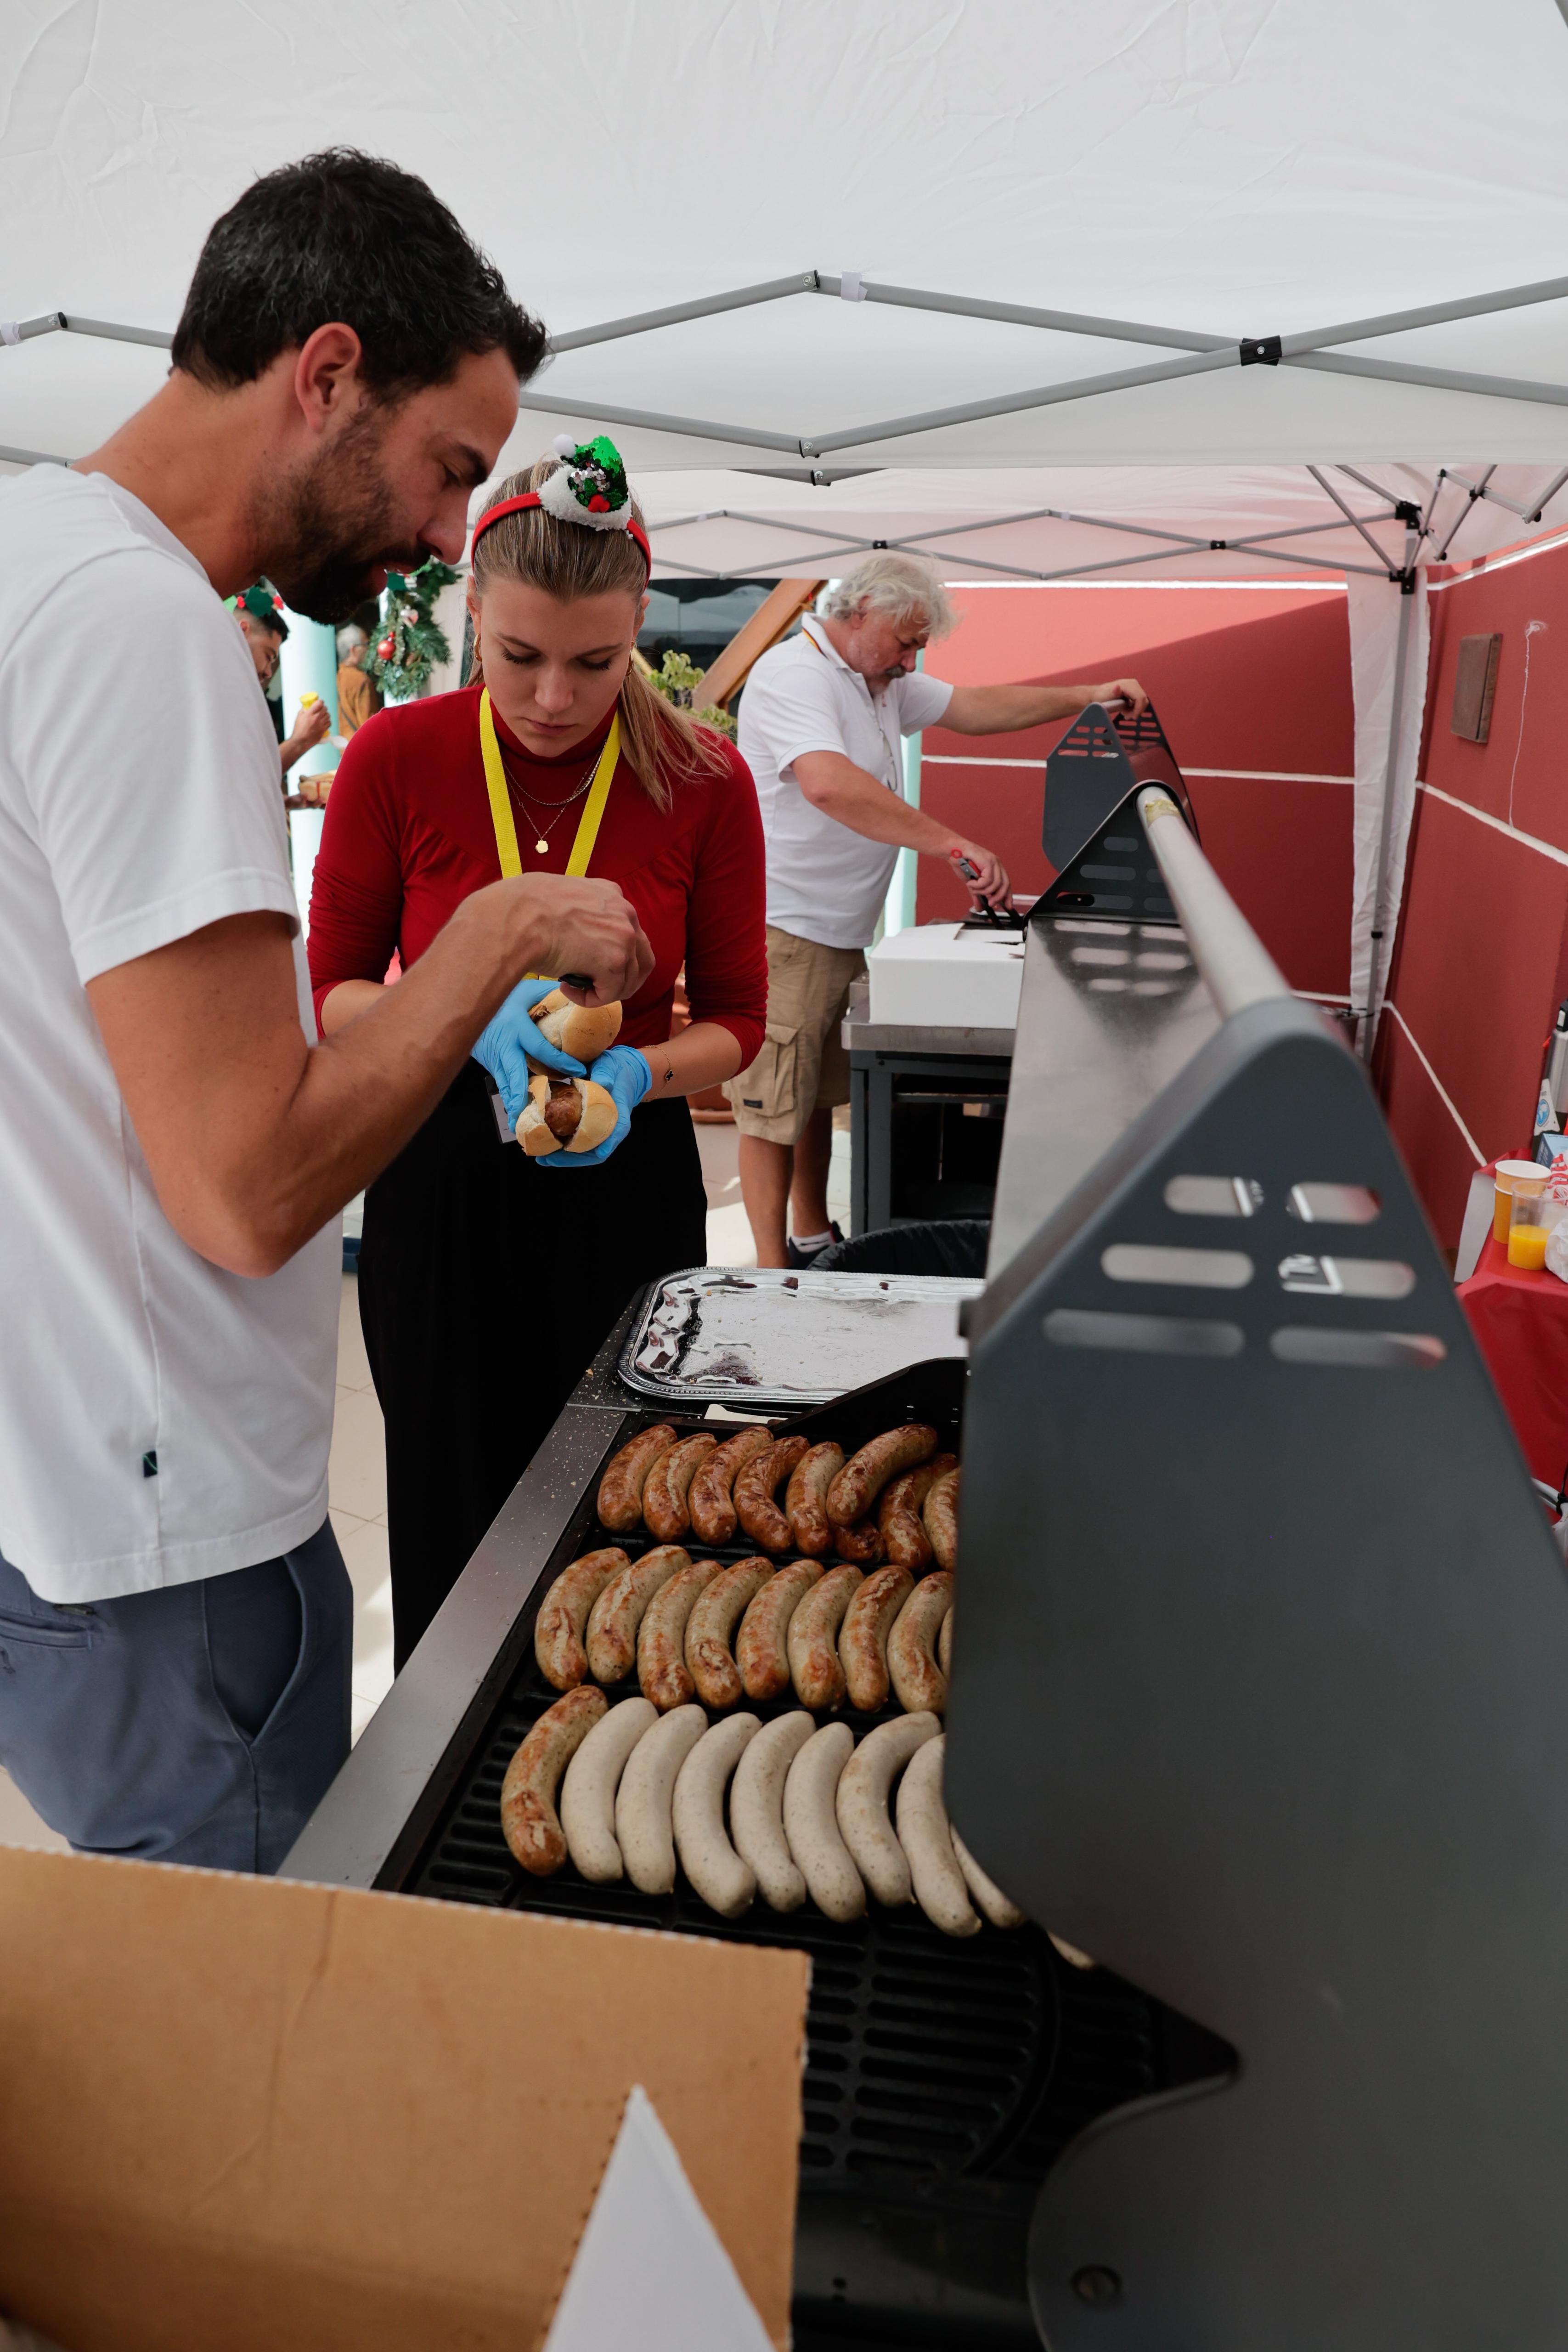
[160, 1420]
[825, 882]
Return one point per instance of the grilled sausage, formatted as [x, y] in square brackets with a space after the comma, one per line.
[912, 1662]
[558, 1629]
[811, 1822]
[725, 1881]
[662, 1637]
[861, 1543]
[588, 1793]
[708, 1497]
[940, 1516]
[866, 1474]
[813, 1641]
[862, 1637]
[621, 1488]
[806, 1498]
[905, 1541]
[861, 1803]
[642, 1801]
[760, 1646]
[926, 1837]
[528, 1818]
[665, 1504]
[755, 1508]
[757, 1809]
[613, 1620]
[945, 1642]
[998, 1908]
[712, 1621]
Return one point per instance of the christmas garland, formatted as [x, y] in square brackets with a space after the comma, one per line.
[411, 644]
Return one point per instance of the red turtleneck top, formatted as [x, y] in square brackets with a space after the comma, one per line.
[407, 836]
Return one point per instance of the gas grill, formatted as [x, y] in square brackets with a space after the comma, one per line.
[1259, 1697]
[941, 2078]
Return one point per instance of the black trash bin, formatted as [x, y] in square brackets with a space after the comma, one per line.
[939, 1246]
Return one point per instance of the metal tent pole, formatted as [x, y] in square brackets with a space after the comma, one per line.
[1385, 832]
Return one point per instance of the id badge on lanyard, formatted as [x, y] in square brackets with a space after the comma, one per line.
[506, 830]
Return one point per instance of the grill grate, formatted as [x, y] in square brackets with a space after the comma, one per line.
[942, 2078]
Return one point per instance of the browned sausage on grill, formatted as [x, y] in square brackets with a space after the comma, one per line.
[940, 1517]
[754, 1487]
[866, 1474]
[712, 1621]
[862, 1637]
[617, 1614]
[813, 1639]
[903, 1537]
[912, 1645]
[662, 1637]
[806, 1498]
[528, 1818]
[664, 1503]
[761, 1650]
[563, 1613]
[621, 1488]
[862, 1543]
[708, 1497]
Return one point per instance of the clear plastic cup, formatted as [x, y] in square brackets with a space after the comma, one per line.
[1505, 1175]
[1530, 1224]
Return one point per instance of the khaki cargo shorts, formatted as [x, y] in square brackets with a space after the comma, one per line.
[802, 1066]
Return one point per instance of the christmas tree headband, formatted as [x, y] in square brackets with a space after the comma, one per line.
[589, 486]
[264, 605]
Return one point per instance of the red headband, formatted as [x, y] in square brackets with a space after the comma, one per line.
[532, 498]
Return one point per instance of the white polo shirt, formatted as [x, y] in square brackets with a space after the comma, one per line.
[160, 1420]
[825, 882]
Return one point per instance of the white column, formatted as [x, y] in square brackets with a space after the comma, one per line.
[310, 666]
[898, 910]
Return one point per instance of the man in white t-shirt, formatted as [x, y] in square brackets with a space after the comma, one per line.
[820, 721]
[175, 1620]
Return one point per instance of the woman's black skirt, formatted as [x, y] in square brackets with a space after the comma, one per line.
[486, 1285]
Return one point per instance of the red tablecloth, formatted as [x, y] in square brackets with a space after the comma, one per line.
[1521, 1324]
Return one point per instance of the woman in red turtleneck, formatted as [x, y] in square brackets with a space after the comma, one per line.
[488, 1280]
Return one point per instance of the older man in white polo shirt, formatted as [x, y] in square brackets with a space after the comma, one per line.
[820, 729]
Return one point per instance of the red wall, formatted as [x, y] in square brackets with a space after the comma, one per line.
[1479, 963]
[1251, 681]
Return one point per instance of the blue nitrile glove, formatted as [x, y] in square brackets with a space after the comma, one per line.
[625, 1076]
[505, 1047]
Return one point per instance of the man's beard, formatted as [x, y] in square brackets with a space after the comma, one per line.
[328, 527]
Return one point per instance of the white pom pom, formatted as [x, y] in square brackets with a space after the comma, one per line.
[564, 445]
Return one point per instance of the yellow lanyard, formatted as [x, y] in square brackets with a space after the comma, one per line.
[501, 799]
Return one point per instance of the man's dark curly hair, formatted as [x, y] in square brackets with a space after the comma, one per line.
[346, 235]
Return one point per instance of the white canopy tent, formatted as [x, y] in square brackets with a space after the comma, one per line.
[1041, 288]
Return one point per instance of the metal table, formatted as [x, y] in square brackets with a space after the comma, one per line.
[926, 1108]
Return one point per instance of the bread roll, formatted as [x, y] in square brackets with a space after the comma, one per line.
[584, 1031]
[564, 1114]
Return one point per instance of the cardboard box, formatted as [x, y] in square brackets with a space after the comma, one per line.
[256, 2114]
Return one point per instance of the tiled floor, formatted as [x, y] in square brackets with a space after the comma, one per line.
[356, 1478]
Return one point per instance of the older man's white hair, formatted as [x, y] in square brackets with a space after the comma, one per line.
[351, 637]
[900, 587]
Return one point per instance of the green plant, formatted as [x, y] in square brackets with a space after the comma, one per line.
[676, 680]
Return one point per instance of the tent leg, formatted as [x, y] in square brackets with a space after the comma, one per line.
[1401, 658]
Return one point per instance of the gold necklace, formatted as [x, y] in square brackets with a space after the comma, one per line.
[521, 793]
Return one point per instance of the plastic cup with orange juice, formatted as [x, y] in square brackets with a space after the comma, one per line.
[1505, 1174]
[1528, 1229]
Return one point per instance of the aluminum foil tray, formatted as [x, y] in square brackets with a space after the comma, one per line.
[753, 1334]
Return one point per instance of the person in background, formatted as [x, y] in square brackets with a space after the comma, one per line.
[176, 1623]
[819, 727]
[488, 1280]
[259, 613]
[357, 698]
